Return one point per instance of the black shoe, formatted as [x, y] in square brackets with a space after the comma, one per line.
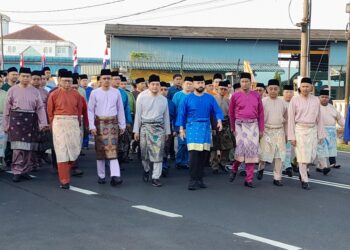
[319, 170]
[308, 174]
[77, 172]
[289, 172]
[192, 185]
[116, 180]
[277, 183]
[16, 178]
[165, 172]
[26, 177]
[65, 186]
[260, 174]
[46, 158]
[101, 180]
[305, 185]
[201, 184]
[326, 171]
[145, 176]
[216, 171]
[249, 184]
[82, 154]
[178, 166]
[156, 183]
[336, 166]
[232, 176]
[243, 173]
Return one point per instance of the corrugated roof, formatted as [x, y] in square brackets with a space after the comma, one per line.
[193, 66]
[34, 32]
[218, 32]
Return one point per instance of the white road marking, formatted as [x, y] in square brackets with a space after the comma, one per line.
[267, 241]
[83, 191]
[326, 183]
[10, 172]
[345, 152]
[91, 143]
[157, 211]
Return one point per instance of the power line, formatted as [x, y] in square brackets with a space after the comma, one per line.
[102, 20]
[290, 17]
[61, 10]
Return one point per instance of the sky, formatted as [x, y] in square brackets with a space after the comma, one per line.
[91, 41]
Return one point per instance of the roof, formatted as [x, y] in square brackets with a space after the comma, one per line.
[126, 30]
[193, 66]
[34, 32]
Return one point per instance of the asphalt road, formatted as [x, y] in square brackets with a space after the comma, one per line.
[38, 215]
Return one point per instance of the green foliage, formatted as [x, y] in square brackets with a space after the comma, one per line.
[134, 56]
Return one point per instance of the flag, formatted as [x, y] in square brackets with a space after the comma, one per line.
[43, 61]
[105, 59]
[21, 60]
[75, 61]
[248, 69]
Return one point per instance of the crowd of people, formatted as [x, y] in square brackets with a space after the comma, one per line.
[231, 128]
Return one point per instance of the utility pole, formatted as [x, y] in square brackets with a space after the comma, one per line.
[305, 40]
[347, 83]
[2, 44]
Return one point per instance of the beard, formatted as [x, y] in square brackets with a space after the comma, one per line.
[200, 89]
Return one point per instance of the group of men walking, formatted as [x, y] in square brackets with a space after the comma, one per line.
[209, 122]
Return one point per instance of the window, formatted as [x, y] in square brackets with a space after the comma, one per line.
[45, 50]
[50, 50]
[11, 49]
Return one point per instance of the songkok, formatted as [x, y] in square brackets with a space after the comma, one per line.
[273, 82]
[66, 74]
[114, 73]
[288, 87]
[25, 70]
[83, 76]
[139, 80]
[46, 68]
[236, 85]
[245, 75]
[188, 79]
[217, 76]
[163, 84]
[324, 92]
[37, 73]
[2, 73]
[223, 83]
[12, 69]
[75, 81]
[153, 78]
[306, 80]
[60, 71]
[260, 85]
[106, 72]
[198, 78]
[123, 78]
[208, 82]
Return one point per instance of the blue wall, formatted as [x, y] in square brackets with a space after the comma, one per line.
[207, 50]
[337, 53]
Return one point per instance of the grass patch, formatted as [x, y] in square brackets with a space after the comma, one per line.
[343, 147]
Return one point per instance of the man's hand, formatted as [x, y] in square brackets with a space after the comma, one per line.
[93, 132]
[137, 136]
[219, 126]
[294, 143]
[174, 134]
[121, 131]
[261, 134]
[46, 128]
[320, 141]
[213, 132]
[182, 134]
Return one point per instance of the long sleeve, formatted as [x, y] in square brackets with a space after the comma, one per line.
[285, 116]
[347, 126]
[291, 121]
[261, 119]
[7, 109]
[166, 118]
[231, 113]
[340, 119]
[50, 108]
[120, 113]
[85, 113]
[217, 110]
[137, 122]
[181, 114]
[91, 110]
[41, 113]
[321, 133]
